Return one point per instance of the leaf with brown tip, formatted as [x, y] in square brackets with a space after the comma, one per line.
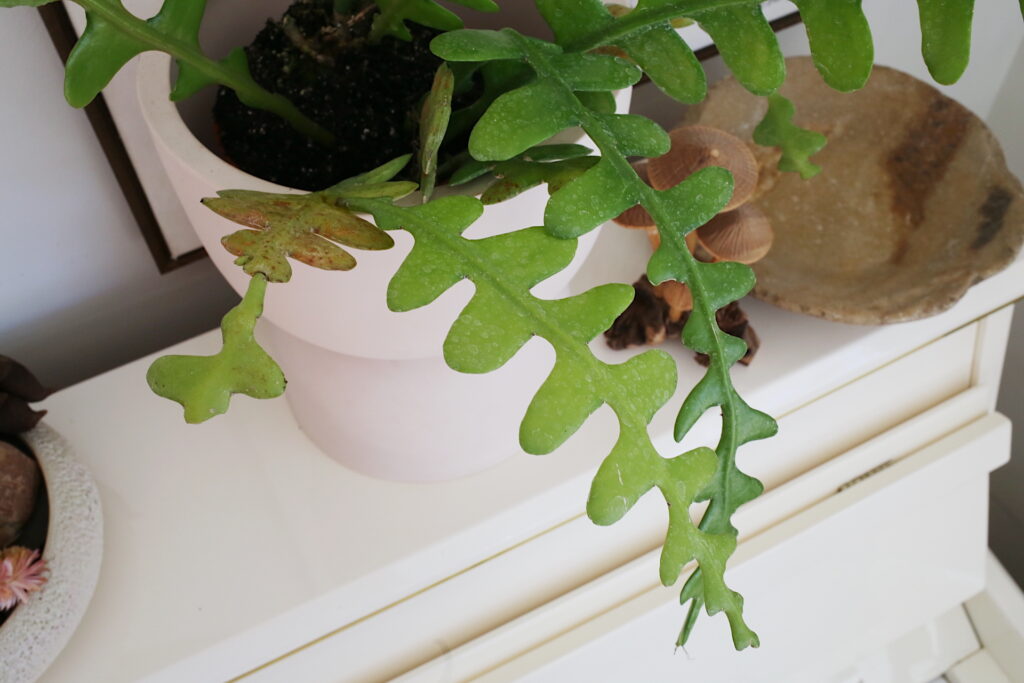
[303, 227]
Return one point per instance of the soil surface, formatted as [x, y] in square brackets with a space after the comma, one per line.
[368, 95]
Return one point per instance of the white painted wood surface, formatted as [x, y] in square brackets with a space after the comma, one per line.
[235, 542]
[980, 667]
[998, 618]
[921, 655]
[595, 551]
[842, 578]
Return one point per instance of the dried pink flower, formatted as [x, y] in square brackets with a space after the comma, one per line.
[21, 574]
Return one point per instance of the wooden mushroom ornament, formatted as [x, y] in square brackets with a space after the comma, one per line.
[741, 232]
[743, 235]
[694, 148]
[697, 147]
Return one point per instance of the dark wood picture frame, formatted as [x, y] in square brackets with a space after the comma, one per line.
[63, 35]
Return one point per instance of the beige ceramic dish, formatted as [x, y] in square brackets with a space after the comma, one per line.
[913, 206]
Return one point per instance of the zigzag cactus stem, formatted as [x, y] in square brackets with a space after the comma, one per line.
[730, 488]
[634, 466]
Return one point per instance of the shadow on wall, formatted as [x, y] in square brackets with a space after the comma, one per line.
[108, 330]
[79, 292]
[1006, 516]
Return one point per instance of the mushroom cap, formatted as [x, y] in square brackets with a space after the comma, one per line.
[654, 237]
[677, 296]
[637, 216]
[697, 147]
[742, 235]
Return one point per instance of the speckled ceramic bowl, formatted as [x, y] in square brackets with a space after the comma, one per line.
[37, 631]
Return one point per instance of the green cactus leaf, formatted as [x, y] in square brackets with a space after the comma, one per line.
[469, 171]
[105, 47]
[375, 176]
[428, 272]
[571, 394]
[840, 40]
[97, 56]
[559, 408]
[515, 177]
[572, 20]
[638, 135]
[556, 152]
[203, 385]
[946, 37]
[475, 45]
[555, 165]
[498, 77]
[592, 72]
[797, 144]
[597, 101]
[593, 198]
[668, 60]
[180, 20]
[471, 345]
[747, 44]
[521, 119]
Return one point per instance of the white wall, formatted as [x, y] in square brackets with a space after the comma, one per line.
[79, 292]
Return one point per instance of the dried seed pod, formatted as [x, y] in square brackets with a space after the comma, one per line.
[637, 216]
[743, 235]
[643, 322]
[677, 296]
[697, 147]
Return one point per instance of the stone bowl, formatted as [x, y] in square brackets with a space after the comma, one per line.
[914, 203]
[37, 631]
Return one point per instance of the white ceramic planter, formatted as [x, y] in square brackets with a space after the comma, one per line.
[37, 631]
[366, 384]
[343, 312]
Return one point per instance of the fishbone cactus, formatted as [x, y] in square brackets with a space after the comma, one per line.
[533, 89]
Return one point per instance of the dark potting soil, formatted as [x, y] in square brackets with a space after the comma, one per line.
[368, 95]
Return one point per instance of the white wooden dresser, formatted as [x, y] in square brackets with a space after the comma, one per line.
[235, 550]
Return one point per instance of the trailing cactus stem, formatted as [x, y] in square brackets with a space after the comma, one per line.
[729, 488]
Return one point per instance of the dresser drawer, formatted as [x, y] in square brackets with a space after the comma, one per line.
[911, 401]
[848, 574]
[818, 430]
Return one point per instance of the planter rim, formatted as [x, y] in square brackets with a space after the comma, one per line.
[153, 88]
